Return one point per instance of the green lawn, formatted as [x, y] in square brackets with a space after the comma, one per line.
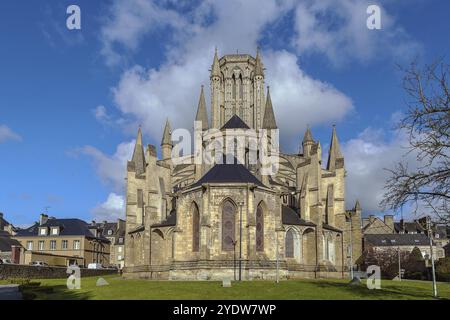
[119, 288]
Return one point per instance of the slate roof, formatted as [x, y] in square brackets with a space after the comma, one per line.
[235, 123]
[116, 232]
[6, 242]
[170, 221]
[407, 239]
[408, 227]
[228, 173]
[68, 227]
[290, 216]
[328, 227]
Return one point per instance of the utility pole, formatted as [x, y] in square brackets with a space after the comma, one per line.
[240, 239]
[351, 247]
[234, 261]
[430, 235]
[399, 265]
[278, 259]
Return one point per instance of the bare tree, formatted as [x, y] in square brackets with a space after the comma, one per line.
[427, 124]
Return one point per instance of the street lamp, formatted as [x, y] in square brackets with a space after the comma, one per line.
[234, 261]
[240, 204]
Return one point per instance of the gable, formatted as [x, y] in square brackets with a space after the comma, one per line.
[377, 226]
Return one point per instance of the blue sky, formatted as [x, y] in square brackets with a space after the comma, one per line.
[71, 101]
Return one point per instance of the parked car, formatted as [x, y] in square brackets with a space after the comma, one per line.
[95, 266]
[38, 264]
[7, 261]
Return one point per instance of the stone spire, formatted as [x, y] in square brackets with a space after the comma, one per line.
[308, 135]
[335, 157]
[167, 135]
[258, 66]
[166, 142]
[215, 68]
[357, 206]
[308, 142]
[202, 115]
[138, 155]
[269, 117]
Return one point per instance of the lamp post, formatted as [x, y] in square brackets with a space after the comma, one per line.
[234, 261]
[240, 203]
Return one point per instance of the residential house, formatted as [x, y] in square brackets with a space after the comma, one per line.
[115, 233]
[9, 248]
[63, 242]
[385, 234]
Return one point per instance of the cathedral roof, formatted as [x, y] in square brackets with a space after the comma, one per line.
[228, 173]
[235, 123]
[290, 216]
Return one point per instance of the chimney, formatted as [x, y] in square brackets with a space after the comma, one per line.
[365, 222]
[389, 221]
[371, 218]
[43, 219]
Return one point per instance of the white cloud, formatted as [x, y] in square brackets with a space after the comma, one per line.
[127, 23]
[366, 157]
[172, 89]
[337, 29]
[110, 210]
[300, 100]
[111, 169]
[7, 134]
[101, 115]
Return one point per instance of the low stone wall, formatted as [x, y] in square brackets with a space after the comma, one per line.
[8, 271]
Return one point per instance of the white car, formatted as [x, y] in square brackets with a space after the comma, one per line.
[38, 263]
[95, 266]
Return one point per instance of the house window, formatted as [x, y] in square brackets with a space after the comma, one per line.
[52, 244]
[119, 249]
[41, 245]
[64, 244]
[195, 228]
[120, 240]
[29, 245]
[109, 232]
[119, 257]
[259, 228]
[228, 226]
[76, 244]
[54, 231]
[43, 231]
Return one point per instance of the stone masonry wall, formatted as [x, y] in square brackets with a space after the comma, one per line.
[8, 271]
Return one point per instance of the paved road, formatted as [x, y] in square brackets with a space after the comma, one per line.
[10, 292]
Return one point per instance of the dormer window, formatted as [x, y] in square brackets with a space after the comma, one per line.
[55, 231]
[42, 231]
[109, 232]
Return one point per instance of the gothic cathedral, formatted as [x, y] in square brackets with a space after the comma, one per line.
[195, 221]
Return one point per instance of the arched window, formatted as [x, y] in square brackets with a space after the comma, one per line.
[259, 228]
[195, 228]
[289, 245]
[228, 225]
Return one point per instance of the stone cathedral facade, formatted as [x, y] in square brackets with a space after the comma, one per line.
[198, 221]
